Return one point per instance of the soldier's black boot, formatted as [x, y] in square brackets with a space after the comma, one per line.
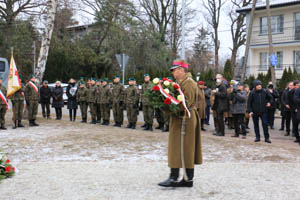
[172, 180]
[166, 129]
[189, 182]
[70, 114]
[20, 124]
[2, 127]
[30, 123]
[150, 128]
[129, 125]
[34, 124]
[160, 125]
[133, 125]
[106, 122]
[146, 127]
[15, 124]
[103, 122]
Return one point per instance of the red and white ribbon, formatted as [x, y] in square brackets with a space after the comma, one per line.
[174, 100]
[2, 96]
[34, 86]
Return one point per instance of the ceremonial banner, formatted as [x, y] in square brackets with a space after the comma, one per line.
[14, 82]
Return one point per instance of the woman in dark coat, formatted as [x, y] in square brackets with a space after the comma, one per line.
[58, 101]
[72, 102]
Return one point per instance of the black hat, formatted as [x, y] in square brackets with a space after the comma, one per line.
[256, 83]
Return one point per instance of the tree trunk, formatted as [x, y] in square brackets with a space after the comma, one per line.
[216, 51]
[42, 60]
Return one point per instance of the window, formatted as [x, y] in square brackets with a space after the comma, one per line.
[297, 60]
[2, 66]
[297, 26]
[276, 24]
[264, 61]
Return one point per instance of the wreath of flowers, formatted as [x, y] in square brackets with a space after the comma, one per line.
[167, 94]
[6, 169]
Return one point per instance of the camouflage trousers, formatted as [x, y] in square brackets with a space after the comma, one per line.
[131, 113]
[148, 114]
[118, 112]
[2, 113]
[83, 109]
[18, 108]
[105, 111]
[32, 107]
[98, 112]
[159, 115]
[92, 107]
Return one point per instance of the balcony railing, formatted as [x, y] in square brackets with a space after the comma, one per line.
[279, 67]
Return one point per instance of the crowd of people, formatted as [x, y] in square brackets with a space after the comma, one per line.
[231, 103]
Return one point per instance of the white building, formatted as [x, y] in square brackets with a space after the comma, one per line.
[285, 25]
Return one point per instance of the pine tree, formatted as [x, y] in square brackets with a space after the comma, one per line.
[228, 75]
[284, 80]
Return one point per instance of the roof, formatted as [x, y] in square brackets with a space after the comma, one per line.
[273, 4]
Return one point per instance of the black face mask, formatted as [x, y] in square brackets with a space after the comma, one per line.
[73, 84]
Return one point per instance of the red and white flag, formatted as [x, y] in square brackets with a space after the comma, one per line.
[14, 81]
[3, 98]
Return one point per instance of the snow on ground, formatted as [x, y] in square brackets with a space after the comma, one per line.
[70, 160]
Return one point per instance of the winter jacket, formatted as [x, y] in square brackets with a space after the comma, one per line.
[284, 100]
[207, 96]
[258, 100]
[238, 99]
[57, 94]
[45, 94]
[290, 101]
[297, 102]
[72, 96]
[221, 100]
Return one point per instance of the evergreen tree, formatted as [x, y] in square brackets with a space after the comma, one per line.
[228, 75]
[284, 80]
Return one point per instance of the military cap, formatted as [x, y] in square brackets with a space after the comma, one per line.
[104, 80]
[32, 76]
[145, 75]
[116, 76]
[179, 63]
[81, 83]
[131, 79]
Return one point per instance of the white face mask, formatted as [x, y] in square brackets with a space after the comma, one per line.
[218, 81]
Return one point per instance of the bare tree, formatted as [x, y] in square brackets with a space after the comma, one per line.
[212, 15]
[237, 28]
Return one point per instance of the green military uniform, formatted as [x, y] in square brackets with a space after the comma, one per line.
[17, 100]
[98, 105]
[82, 94]
[105, 103]
[159, 115]
[147, 108]
[131, 100]
[91, 100]
[3, 106]
[118, 100]
[32, 101]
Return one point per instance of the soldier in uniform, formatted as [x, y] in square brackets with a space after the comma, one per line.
[3, 104]
[17, 100]
[82, 101]
[131, 103]
[32, 100]
[192, 138]
[201, 104]
[118, 101]
[105, 101]
[91, 99]
[147, 108]
[98, 108]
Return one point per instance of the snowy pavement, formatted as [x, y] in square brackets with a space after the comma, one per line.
[74, 161]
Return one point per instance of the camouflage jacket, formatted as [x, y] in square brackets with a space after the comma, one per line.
[82, 94]
[132, 95]
[4, 91]
[19, 95]
[91, 94]
[117, 93]
[146, 87]
[105, 95]
[30, 93]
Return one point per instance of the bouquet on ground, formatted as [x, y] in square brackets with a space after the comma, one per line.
[167, 95]
[6, 169]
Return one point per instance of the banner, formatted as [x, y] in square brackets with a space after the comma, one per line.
[14, 82]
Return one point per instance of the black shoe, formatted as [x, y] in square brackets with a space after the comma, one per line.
[133, 126]
[150, 128]
[281, 129]
[272, 127]
[106, 122]
[235, 135]
[268, 141]
[2, 127]
[257, 140]
[166, 129]
[20, 124]
[297, 141]
[129, 125]
[30, 123]
[145, 125]
[287, 134]
[247, 127]
[220, 134]
[146, 128]
[160, 126]
[15, 124]
[170, 182]
[116, 124]
[34, 124]
[184, 183]
[103, 123]
[203, 129]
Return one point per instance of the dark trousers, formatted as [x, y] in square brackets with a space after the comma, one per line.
[264, 122]
[271, 117]
[295, 124]
[72, 114]
[287, 116]
[46, 109]
[220, 119]
[207, 114]
[58, 112]
[239, 124]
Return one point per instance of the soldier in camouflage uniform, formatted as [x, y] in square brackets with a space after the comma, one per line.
[17, 100]
[118, 101]
[147, 108]
[98, 108]
[91, 99]
[82, 94]
[132, 99]
[105, 101]
[3, 104]
[32, 100]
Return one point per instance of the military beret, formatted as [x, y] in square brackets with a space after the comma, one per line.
[32, 76]
[104, 80]
[116, 76]
[81, 83]
[131, 79]
[145, 75]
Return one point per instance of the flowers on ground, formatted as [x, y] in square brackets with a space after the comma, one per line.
[6, 169]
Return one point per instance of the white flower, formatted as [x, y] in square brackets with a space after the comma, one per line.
[156, 81]
[167, 90]
[180, 98]
[166, 83]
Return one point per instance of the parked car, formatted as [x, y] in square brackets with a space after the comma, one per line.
[64, 86]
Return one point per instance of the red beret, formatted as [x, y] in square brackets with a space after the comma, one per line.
[201, 82]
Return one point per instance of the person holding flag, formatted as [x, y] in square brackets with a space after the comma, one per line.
[3, 104]
[15, 92]
[32, 100]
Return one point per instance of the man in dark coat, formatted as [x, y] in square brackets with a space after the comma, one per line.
[272, 108]
[220, 103]
[294, 102]
[285, 108]
[45, 95]
[258, 102]
[207, 101]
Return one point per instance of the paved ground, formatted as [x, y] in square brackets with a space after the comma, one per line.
[70, 160]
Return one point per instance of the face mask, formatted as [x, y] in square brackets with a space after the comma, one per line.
[73, 84]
